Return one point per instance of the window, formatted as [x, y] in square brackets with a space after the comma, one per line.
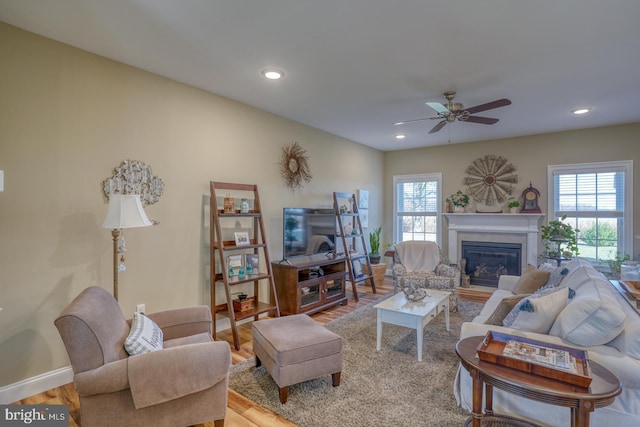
[416, 211]
[597, 200]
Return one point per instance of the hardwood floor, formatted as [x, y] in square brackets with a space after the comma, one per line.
[241, 412]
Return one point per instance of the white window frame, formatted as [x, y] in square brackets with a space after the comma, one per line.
[598, 167]
[414, 178]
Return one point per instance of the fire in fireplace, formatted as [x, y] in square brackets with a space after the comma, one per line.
[487, 261]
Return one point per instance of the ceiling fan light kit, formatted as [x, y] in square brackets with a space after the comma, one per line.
[452, 111]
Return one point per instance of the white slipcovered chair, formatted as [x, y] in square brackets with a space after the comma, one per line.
[420, 264]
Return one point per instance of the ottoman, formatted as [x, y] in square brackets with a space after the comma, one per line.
[296, 348]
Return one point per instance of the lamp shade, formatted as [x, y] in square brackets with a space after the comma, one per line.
[125, 211]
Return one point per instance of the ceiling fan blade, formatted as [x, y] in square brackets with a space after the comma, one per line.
[411, 121]
[439, 126]
[481, 120]
[489, 106]
[441, 109]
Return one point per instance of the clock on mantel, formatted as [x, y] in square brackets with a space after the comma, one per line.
[530, 200]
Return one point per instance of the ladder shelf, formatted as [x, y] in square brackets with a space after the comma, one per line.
[221, 252]
[353, 240]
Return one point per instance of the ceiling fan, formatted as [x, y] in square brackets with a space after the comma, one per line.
[452, 111]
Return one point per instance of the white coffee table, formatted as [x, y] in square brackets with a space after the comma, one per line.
[397, 310]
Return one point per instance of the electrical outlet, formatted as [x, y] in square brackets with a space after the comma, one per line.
[141, 308]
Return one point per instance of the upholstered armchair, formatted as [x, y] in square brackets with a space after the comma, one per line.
[182, 384]
[419, 263]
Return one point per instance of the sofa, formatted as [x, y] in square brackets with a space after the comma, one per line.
[587, 312]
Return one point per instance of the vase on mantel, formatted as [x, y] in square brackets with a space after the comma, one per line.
[458, 209]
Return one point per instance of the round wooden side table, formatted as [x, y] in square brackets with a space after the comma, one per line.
[603, 389]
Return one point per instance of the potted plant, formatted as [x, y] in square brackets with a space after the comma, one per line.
[615, 264]
[374, 242]
[459, 200]
[560, 239]
[513, 205]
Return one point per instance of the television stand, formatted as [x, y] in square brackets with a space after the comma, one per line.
[300, 290]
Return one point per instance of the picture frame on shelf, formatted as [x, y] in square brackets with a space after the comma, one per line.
[252, 263]
[357, 268]
[242, 238]
[234, 264]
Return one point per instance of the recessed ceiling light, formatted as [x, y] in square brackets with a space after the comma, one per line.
[272, 73]
[401, 136]
[581, 111]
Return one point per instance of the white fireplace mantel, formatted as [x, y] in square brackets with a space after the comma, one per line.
[495, 227]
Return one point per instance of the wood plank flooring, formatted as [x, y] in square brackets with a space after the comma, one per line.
[241, 412]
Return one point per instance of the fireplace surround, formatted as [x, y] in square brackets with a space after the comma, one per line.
[515, 229]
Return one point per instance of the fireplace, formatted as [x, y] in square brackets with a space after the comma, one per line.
[487, 261]
[510, 229]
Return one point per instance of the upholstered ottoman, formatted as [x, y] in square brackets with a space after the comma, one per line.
[296, 348]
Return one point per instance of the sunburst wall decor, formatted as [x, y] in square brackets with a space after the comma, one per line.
[294, 167]
[490, 179]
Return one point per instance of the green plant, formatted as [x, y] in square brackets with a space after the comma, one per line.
[459, 199]
[557, 234]
[616, 264]
[513, 203]
[374, 241]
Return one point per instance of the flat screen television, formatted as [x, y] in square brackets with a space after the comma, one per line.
[308, 231]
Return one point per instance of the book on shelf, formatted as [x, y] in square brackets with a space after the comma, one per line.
[547, 356]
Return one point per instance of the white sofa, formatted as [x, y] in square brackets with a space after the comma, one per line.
[598, 318]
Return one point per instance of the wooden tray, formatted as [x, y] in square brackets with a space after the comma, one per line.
[492, 347]
[631, 286]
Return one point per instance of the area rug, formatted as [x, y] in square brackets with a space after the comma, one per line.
[384, 388]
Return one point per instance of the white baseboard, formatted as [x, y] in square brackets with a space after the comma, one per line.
[34, 385]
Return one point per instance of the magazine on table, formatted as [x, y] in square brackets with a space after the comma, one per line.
[552, 357]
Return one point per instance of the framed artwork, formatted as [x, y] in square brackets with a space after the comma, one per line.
[364, 218]
[357, 268]
[242, 238]
[234, 261]
[363, 199]
[253, 261]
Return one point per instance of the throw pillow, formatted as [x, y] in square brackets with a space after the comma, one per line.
[145, 336]
[593, 317]
[531, 280]
[545, 266]
[504, 307]
[537, 312]
[555, 278]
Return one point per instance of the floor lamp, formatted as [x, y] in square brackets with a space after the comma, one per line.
[124, 211]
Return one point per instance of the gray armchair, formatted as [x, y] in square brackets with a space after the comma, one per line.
[183, 384]
[419, 263]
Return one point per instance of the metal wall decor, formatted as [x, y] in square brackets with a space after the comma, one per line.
[490, 179]
[134, 177]
[294, 167]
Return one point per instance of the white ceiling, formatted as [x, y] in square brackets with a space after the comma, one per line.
[354, 67]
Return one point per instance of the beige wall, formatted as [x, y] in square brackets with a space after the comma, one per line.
[67, 118]
[530, 155]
